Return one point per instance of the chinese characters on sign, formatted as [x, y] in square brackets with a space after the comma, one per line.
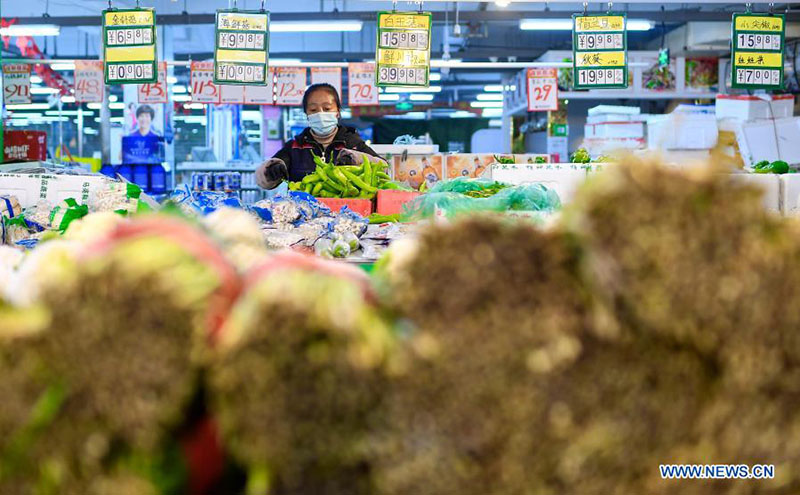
[290, 85]
[600, 51]
[204, 90]
[16, 83]
[404, 49]
[542, 90]
[241, 50]
[757, 51]
[129, 46]
[89, 81]
[361, 85]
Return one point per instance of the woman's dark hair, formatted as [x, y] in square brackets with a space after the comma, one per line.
[146, 109]
[322, 87]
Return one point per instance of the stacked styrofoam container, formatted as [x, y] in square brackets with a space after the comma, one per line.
[610, 127]
[688, 127]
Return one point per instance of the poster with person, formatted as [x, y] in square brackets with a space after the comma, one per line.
[143, 133]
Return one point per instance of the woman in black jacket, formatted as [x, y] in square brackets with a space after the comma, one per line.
[324, 137]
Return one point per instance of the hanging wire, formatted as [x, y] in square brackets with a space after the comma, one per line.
[137, 4]
[748, 7]
[585, 7]
[610, 4]
[263, 3]
[771, 7]
[109, 5]
[420, 7]
[394, 5]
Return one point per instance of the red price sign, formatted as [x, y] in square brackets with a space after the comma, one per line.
[542, 90]
[204, 90]
[16, 84]
[155, 92]
[89, 81]
[290, 85]
[328, 75]
[361, 85]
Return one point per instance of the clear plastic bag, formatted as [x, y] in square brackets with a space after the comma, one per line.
[527, 197]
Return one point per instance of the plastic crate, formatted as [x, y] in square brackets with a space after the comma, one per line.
[391, 201]
[361, 206]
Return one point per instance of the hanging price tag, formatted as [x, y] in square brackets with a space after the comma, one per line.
[328, 75]
[600, 51]
[290, 85]
[231, 95]
[16, 84]
[241, 47]
[361, 85]
[757, 51]
[89, 81]
[129, 46]
[155, 92]
[542, 90]
[204, 90]
[261, 95]
[403, 54]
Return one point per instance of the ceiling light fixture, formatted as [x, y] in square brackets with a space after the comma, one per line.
[429, 89]
[31, 30]
[421, 97]
[566, 24]
[315, 26]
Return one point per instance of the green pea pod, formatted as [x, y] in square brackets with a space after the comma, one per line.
[317, 189]
[358, 182]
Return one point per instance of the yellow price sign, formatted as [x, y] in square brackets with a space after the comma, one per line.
[759, 23]
[410, 58]
[600, 23]
[600, 59]
[756, 59]
[242, 21]
[405, 21]
[129, 18]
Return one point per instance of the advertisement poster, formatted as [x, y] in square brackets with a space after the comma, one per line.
[329, 75]
[417, 169]
[89, 81]
[16, 84]
[144, 131]
[361, 85]
[468, 165]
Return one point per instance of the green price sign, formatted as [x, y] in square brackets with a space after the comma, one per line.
[403, 53]
[600, 51]
[129, 46]
[241, 47]
[757, 51]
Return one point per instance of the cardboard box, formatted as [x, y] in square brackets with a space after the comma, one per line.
[361, 206]
[32, 188]
[614, 109]
[563, 179]
[24, 146]
[747, 107]
[391, 202]
[418, 168]
[467, 164]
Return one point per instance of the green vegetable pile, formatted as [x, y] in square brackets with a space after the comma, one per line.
[776, 167]
[581, 155]
[377, 218]
[346, 181]
[504, 159]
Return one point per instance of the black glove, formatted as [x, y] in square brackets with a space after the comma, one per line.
[349, 157]
[271, 173]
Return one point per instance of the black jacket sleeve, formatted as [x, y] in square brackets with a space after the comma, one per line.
[354, 142]
[285, 154]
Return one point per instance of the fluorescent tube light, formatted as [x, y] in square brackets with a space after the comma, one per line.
[116, 106]
[490, 97]
[63, 66]
[172, 79]
[566, 24]
[26, 115]
[94, 106]
[181, 98]
[421, 97]
[435, 76]
[29, 106]
[462, 114]
[36, 80]
[486, 104]
[493, 88]
[492, 112]
[315, 26]
[429, 89]
[178, 89]
[194, 106]
[388, 97]
[31, 30]
[67, 99]
[496, 123]
[43, 91]
[112, 98]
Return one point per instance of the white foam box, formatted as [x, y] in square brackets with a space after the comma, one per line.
[614, 109]
[682, 131]
[769, 183]
[602, 146]
[790, 195]
[770, 140]
[29, 189]
[604, 130]
[564, 179]
[748, 107]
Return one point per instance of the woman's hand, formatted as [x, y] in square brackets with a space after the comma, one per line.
[271, 173]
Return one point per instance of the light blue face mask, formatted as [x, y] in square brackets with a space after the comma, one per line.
[323, 123]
